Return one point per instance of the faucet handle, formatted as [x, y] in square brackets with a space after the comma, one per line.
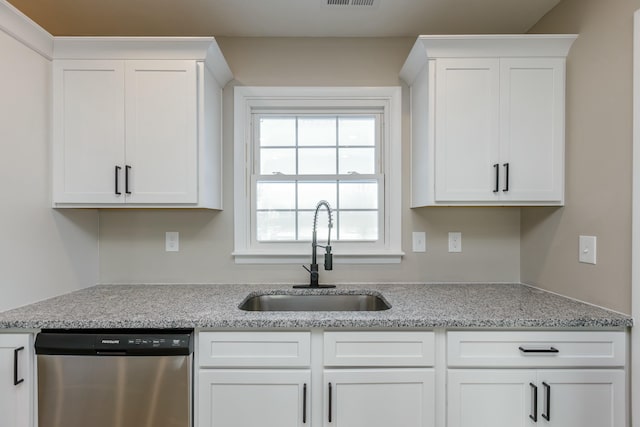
[306, 268]
[328, 258]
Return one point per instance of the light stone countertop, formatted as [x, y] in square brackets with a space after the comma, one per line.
[216, 306]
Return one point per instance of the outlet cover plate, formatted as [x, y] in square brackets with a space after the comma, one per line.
[455, 241]
[419, 241]
[588, 249]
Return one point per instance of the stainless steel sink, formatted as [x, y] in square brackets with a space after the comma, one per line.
[326, 302]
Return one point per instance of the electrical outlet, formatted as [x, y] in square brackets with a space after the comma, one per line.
[587, 249]
[455, 241]
[419, 241]
[172, 241]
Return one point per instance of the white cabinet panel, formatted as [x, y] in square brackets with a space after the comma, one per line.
[161, 131]
[379, 398]
[466, 128]
[88, 140]
[532, 128]
[16, 380]
[254, 349]
[242, 398]
[582, 398]
[379, 348]
[535, 349]
[490, 398]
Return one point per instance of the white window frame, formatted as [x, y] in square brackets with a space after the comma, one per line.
[249, 99]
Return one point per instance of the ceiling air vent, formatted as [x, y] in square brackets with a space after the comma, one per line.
[354, 3]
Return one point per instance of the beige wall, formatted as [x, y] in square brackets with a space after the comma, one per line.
[598, 160]
[132, 242]
[42, 252]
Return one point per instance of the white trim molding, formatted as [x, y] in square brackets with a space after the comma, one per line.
[197, 48]
[19, 26]
[247, 99]
[634, 401]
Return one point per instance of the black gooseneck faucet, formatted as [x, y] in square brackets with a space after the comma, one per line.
[328, 256]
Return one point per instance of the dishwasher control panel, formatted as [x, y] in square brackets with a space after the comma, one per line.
[115, 342]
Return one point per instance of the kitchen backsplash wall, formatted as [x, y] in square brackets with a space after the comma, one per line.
[132, 241]
[598, 160]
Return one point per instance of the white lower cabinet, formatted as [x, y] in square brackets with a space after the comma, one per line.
[246, 397]
[529, 378]
[16, 380]
[379, 397]
[439, 378]
[316, 378]
[513, 398]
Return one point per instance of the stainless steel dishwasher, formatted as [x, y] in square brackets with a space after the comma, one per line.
[114, 378]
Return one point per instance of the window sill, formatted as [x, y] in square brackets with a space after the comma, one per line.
[380, 257]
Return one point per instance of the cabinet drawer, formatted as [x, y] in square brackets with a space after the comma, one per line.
[254, 349]
[379, 349]
[535, 349]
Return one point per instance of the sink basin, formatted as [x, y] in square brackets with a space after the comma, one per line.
[326, 302]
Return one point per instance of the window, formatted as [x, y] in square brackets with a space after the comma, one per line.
[297, 146]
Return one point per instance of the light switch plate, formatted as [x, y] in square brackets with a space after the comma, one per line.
[455, 241]
[588, 249]
[172, 241]
[419, 241]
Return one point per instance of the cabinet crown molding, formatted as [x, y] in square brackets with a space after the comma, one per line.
[484, 46]
[146, 48]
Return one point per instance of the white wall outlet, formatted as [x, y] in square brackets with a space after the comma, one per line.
[587, 249]
[455, 241]
[419, 241]
[172, 241]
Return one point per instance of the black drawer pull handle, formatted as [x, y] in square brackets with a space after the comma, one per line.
[117, 174]
[304, 403]
[330, 402]
[534, 404]
[497, 168]
[127, 168]
[539, 350]
[506, 179]
[16, 381]
[547, 391]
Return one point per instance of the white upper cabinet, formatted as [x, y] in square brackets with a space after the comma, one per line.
[131, 130]
[487, 119]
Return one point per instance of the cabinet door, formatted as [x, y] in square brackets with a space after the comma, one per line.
[16, 407]
[379, 398]
[161, 132]
[242, 398]
[532, 129]
[88, 131]
[490, 398]
[466, 129]
[582, 398]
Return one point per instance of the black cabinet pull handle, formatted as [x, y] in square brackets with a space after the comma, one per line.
[330, 393]
[497, 168]
[506, 179]
[16, 381]
[127, 168]
[539, 350]
[304, 403]
[534, 404]
[547, 402]
[117, 174]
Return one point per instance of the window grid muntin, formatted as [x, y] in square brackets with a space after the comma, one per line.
[336, 178]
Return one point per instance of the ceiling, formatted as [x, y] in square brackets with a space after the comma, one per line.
[286, 18]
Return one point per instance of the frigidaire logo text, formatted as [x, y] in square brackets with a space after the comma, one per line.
[110, 341]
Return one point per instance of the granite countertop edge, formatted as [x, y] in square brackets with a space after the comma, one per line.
[414, 305]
